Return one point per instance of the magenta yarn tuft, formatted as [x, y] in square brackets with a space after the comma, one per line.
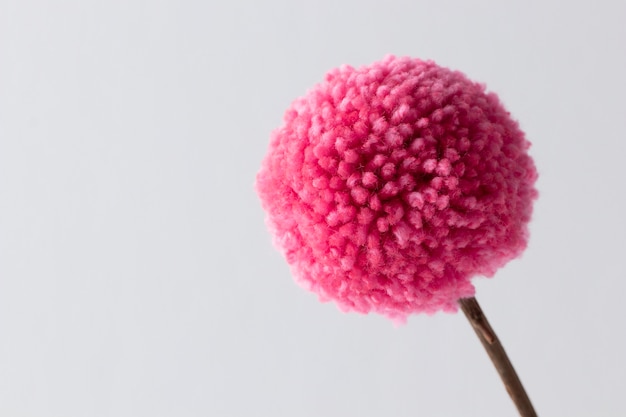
[390, 186]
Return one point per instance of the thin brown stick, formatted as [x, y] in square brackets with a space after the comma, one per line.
[498, 356]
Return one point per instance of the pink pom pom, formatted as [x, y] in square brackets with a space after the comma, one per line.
[390, 186]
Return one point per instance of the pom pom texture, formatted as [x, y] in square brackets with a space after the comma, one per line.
[388, 187]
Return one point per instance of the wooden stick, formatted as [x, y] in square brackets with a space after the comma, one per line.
[498, 356]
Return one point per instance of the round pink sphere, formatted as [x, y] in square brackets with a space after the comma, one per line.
[390, 186]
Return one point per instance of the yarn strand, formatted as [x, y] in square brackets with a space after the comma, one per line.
[498, 356]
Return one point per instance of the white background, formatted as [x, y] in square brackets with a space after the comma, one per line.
[136, 274]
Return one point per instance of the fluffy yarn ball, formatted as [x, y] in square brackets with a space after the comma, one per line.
[388, 187]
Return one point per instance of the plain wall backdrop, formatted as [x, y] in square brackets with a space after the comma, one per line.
[137, 277]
